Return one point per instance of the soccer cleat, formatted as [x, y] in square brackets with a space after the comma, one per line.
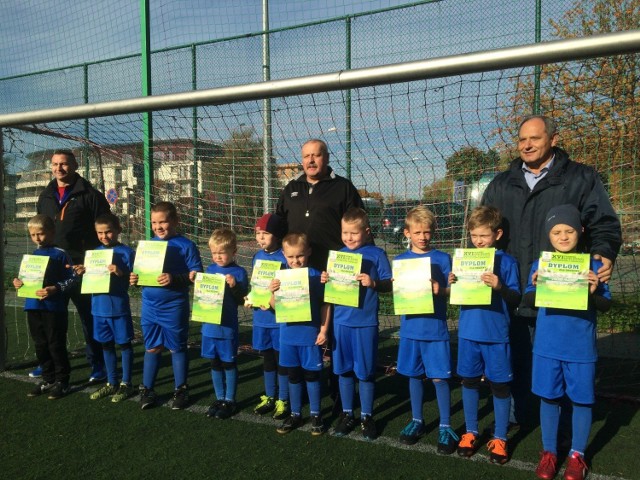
[39, 389]
[266, 405]
[368, 426]
[468, 444]
[282, 410]
[547, 466]
[447, 441]
[412, 432]
[147, 397]
[346, 423]
[576, 468]
[58, 391]
[180, 398]
[103, 391]
[36, 372]
[290, 423]
[124, 391]
[97, 375]
[226, 410]
[317, 425]
[498, 451]
[213, 409]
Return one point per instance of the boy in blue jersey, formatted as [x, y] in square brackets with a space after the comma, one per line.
[356, 328]
[47, 315]
[301, 342]
[483, 338]
[266, 332]
[112, 323]
[424, 338]
[165, 309]
[220, 341]
[564, 352]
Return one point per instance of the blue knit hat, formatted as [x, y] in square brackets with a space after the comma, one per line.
[563, 214]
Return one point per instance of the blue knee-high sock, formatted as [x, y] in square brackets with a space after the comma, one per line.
[443, 396]
[270, 383]
[180, 363]
[367, 392]
[231, 380]
[416, 393]
[582, 416]
[313, 390]
[501, 408]
[549, 419]
[295, 396]
[150, 368]
[347, 391]
[283, 387]
[470, 401]
[111, 365]
[217, 377]
[126, 355]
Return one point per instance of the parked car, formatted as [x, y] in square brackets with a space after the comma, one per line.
[373, 207]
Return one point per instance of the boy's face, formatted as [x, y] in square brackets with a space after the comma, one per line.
[564, 238]
[484, 237]
[40, 237]
[222, 256]
[419, 234]
[297, 255]
[163, 226]
[353, 235]
[266, 240]
[107, 234]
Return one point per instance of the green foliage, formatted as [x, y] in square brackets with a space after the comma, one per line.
[469, 163]
[622, 317]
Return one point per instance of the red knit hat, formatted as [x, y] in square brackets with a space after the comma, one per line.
[272, 224]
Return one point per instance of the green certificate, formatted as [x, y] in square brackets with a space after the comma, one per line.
[563, 280]
[468, 266]
[97, 278]
[149, 262]
[342, 287]
[32, 270]
[263, 272]
[412, 290]
[293, 302]
[208, 295]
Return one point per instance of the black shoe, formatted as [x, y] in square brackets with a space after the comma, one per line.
[412, 432]
[290, 423]
[226, 410]
[369, 430]
[147, 397]
[213, 409]
[180, 398]
[346, 423]
[317, 425]
[40, 388]
[58, 391]
[266, 405]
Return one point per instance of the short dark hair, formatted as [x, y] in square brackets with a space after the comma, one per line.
[108, 219]
[67, 153]
[166, 207]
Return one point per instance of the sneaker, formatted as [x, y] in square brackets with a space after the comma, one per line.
[282, 410]
[576, 468]
[97, 375]
[468, 444]
[213, 409]
[124, 391]
[498, 451]
[147, 397]
[368, 426]
[180, 398]
[226, 410]
[104, 391]
[412, 432]
[447, 441]
[58, 391]
[266, 405]
[36, 372]
[290, 423]
[39, 389]
[317, 425]
[548, 466]
[346, 423]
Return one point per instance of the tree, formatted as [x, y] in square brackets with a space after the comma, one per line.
[469, 163]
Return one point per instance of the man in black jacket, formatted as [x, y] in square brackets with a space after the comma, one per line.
[74, 204]
[542, 177]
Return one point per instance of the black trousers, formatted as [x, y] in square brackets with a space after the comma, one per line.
[49, 333]
[93, 349]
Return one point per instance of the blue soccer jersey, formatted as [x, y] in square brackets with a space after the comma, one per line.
[305, 333]
[429, 326]
[376, 265]
[567, 335]
[228, 328]
[490, 323]
[267, 318]
[116, 302]
[58, 272]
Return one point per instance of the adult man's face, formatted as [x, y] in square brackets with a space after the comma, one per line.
[315, 161]
[534, 144]
[63, 169]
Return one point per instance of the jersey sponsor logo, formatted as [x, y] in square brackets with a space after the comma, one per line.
[294, 194]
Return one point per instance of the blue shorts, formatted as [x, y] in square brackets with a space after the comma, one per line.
[307, 357]
[553, 378]
[265, 338]
[113, 329]
[172, 330]
[225, 349]
[355, 349]
[493, 360]
[424, 357]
